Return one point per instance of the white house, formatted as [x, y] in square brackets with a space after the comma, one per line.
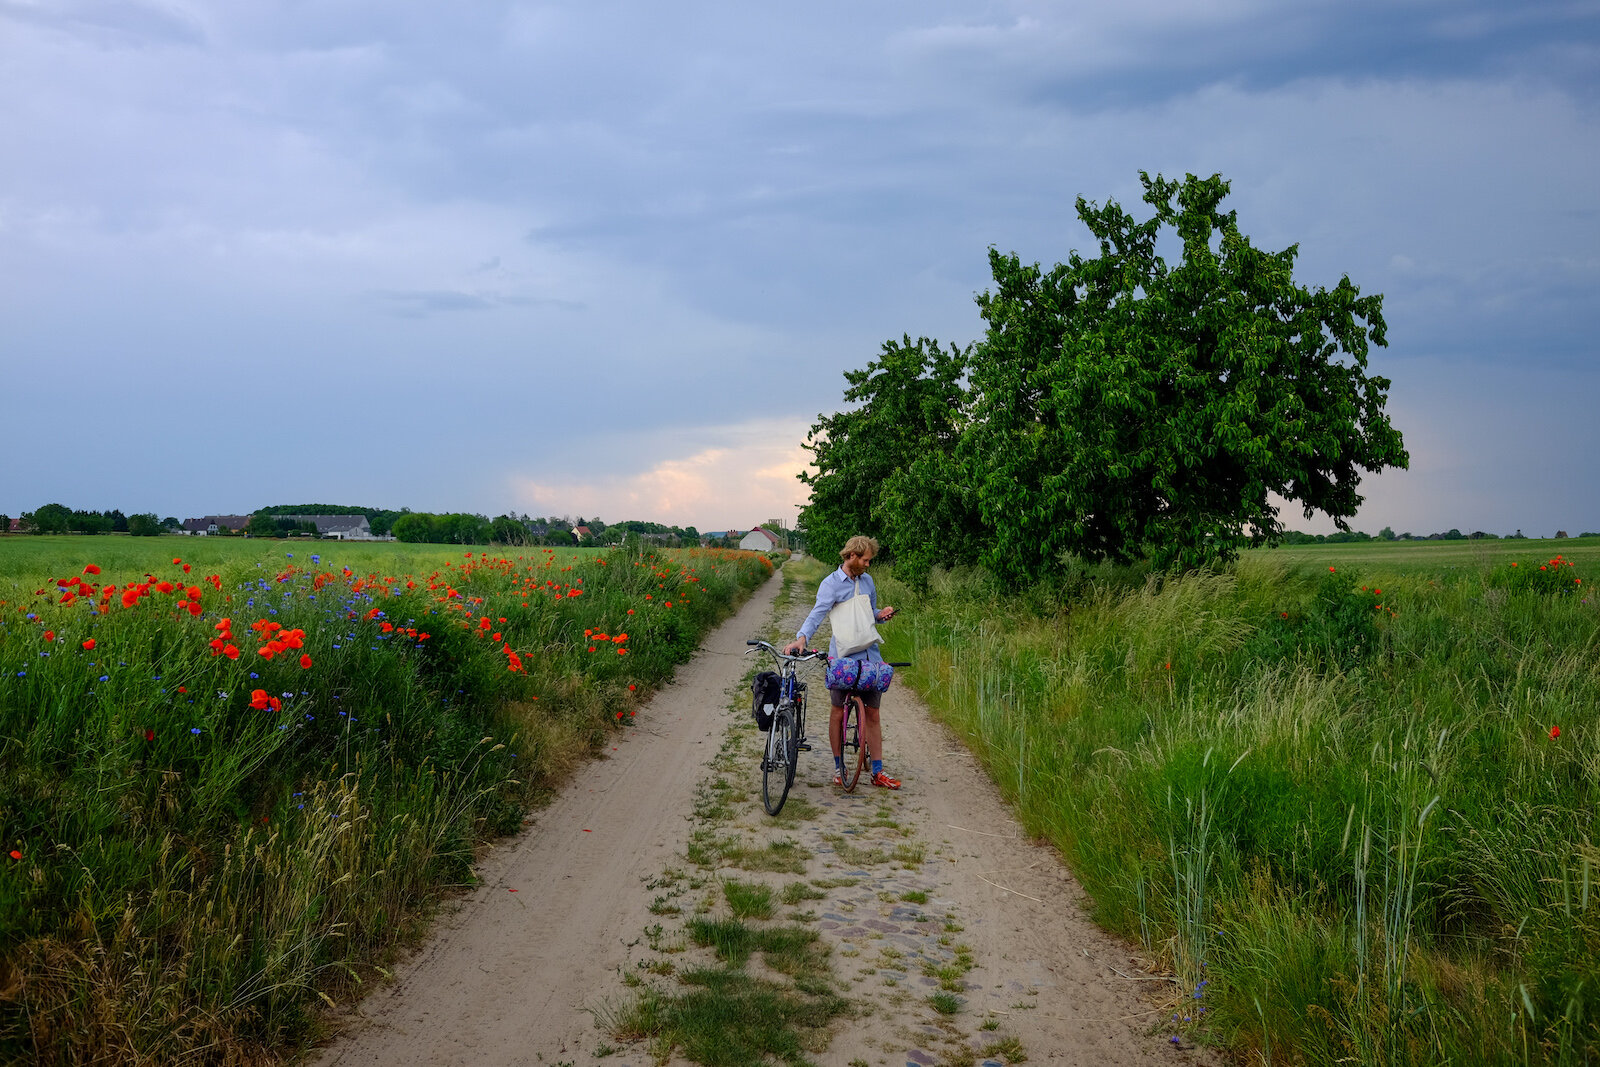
[762, 540]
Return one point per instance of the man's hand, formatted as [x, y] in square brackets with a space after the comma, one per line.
[885, 614]
[795, 647]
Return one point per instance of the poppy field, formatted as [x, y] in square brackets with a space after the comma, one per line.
[1353, 811]
[236, 778]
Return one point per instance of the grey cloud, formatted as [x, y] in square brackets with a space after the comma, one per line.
[113, 23]
[420, 303]
[652, 212]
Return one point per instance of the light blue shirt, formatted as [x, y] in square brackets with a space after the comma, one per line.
[835, 589]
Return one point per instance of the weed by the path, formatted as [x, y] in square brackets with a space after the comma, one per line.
[795, 892]
[748, 900]
[796, 811]
[908, 855]
[1007, 1049]
[714, 800]
[914, 896]
[945, 1003]
[729, 1019]
[790, 950]
[855, 855]
[785, 857]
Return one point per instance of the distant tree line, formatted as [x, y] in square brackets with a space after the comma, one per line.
[523, 530]
[1295, 537]
[60, 519]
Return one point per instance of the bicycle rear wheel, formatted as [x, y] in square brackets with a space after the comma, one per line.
[778, 760]
[851, 735]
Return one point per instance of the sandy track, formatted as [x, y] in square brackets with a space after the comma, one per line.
[510, 975]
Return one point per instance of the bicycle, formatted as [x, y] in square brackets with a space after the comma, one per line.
[850, 738]
[781, 755]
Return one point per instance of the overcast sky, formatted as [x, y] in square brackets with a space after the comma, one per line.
[612, 258]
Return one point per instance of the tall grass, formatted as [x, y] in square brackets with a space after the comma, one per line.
[203, 849]
[1332, 804]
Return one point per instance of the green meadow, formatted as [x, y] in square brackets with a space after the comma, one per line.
[1345, 794]
[238, 773]
[1440, 556]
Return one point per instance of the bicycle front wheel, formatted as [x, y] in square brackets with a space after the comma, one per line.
[778, 761]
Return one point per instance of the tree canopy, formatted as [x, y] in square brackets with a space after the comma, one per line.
[1119, 406]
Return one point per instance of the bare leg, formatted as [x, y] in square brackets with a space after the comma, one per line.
[872, 727]
[836, 729]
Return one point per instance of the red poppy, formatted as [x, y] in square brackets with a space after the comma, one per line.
[91, 569]
[259, 699]
[50, 635]
[305, 663]
[183, 689]
[88, 646]
[149, 734]
[1555, 732]
[231, 652]
[15, 854]
[176, 561]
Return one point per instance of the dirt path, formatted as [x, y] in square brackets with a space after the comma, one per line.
[928, 888]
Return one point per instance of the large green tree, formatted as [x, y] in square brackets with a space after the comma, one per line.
[906, 418]
[1125, 407]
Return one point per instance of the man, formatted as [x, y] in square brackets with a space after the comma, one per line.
[836, 588]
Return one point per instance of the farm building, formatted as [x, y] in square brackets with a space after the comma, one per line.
[214, 524]
[762, 540]
[341, 527]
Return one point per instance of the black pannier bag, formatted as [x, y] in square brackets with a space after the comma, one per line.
[764, 693]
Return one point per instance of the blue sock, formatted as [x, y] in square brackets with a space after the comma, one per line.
[838, 764]
[877, 766]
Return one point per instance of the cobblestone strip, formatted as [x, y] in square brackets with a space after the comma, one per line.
[853, 868]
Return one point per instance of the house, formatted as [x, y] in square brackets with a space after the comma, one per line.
[583, 533]
[762, 540]
[339, 527]
[214, 524]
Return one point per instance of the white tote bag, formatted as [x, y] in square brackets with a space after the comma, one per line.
[854, 627]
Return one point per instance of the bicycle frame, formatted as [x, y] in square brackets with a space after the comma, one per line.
[781, 752]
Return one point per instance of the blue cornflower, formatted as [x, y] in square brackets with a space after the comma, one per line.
[105, 677]
[253, 674]
[194, 729]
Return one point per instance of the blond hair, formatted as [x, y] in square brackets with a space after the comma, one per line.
[859, 545]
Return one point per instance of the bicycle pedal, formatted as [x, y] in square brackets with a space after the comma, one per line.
[803, 745]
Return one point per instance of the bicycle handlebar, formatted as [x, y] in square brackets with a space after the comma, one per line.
[809, 654]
